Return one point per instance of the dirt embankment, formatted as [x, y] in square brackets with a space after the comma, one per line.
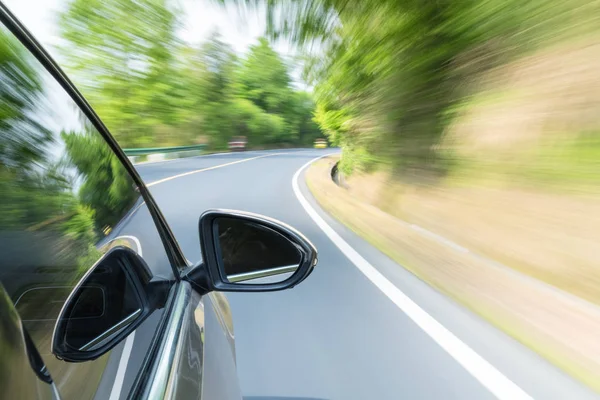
[518, 259]
[532, 123]
[512, 230]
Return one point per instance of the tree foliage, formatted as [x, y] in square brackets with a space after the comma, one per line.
[106, 187]
[152, 89]
[23, 140]
[389, 75]
[36, 187]
[24, 143]
[120, 52]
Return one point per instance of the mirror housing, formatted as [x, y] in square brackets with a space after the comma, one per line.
[111, 300]
[295, 252]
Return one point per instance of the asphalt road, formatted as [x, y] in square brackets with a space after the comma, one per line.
[338, 335]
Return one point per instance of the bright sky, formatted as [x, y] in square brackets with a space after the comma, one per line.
[201, 18]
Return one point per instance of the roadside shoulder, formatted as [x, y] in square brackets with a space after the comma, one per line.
[537, 318]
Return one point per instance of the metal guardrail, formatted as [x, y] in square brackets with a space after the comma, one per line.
[154, 150]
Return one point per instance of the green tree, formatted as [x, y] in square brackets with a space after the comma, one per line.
[36, 190]
[264, 80]
[389, 75]
[30, 187]
[151, 89]
[121, 54]
[106, 190]
[23, 139]
[303, 119]
[215, 76]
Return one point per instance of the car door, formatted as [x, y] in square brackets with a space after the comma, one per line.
[69, 197]
[96, 298]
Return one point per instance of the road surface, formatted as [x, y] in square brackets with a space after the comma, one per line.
[338, 335]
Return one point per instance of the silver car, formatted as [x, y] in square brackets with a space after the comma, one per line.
[96, 297]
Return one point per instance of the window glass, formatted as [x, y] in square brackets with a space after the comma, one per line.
[65, 200]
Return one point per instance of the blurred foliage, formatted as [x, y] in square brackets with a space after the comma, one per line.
[29, 193]
[23, 139]
[107, 190]
[39, 174]
[389, 75]
[121, 54]
[151, 89]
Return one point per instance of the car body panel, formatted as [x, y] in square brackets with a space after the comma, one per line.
[218, 383]
[222, 310]
[194, 358]
[17, 373]
[41, 265]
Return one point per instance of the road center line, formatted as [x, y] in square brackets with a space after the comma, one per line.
[115, 393]
[210, 168]
[491, 378]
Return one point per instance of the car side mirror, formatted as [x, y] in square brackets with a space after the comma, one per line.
[111, 300]
[246, 252]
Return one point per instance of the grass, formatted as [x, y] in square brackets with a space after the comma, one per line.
[564, 166]
[523, 336]
[510, 304]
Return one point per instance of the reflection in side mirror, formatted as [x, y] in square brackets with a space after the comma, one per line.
[247, 252]
[108, 303]
[252, 253]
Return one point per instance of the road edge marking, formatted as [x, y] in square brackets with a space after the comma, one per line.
[153, 163]
[115, 393]
[484, 372]
[209, 168]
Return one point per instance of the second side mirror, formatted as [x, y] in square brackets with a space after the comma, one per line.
[246, 252]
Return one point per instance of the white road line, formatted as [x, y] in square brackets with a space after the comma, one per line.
[498, 384]
[153, 163]
[210, 168]
[115, 393]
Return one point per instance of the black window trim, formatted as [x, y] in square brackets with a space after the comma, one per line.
[174, 253]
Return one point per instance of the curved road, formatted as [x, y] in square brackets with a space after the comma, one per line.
[338, 335]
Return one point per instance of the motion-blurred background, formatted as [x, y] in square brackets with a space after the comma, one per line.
[470, 130]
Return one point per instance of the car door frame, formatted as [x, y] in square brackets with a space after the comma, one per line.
[157, 375]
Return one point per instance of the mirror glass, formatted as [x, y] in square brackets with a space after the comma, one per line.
[251, 253]
[101, 307]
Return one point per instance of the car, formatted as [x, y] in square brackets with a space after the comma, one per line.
[97, 299]
[238, 143]
[320, 144]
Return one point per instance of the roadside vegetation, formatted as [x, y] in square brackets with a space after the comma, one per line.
[470, 244]
[152, 89]
[398, 84]
[70, 198]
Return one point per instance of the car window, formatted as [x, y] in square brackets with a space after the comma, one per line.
[65, 200]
